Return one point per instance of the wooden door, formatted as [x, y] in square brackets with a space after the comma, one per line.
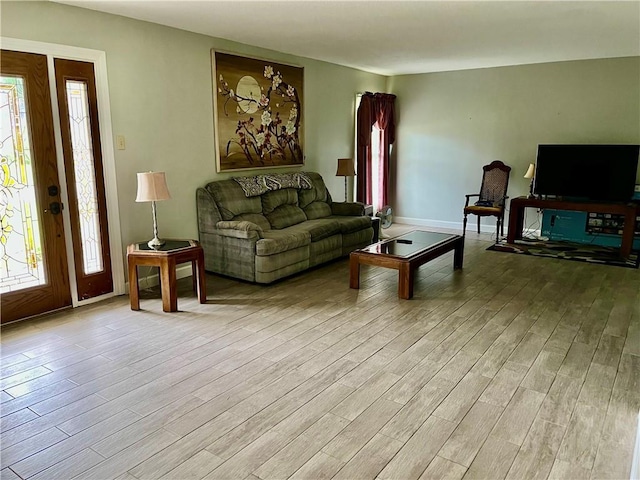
[78, 106]
[33, 262]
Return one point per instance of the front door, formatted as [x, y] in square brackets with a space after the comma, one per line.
[34, 274]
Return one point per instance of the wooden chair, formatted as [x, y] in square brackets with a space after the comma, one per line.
[492, 196]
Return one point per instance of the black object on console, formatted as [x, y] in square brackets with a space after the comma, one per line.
[589, 172]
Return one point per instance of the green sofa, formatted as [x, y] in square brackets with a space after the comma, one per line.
[267, 227]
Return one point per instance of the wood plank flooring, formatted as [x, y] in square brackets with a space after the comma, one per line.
[516, 367]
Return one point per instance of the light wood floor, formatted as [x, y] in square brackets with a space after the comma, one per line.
[516, 367]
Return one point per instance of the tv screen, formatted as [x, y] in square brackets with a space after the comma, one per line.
[589, 172]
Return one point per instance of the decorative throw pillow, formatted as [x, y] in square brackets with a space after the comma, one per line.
[259, 184]
[252, 186]
[278, 181]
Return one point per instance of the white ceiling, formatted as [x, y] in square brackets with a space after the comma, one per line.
[402, 37]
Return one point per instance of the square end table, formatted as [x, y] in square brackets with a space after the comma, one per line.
[166, 257]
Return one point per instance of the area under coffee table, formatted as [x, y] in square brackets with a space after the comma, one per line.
[405, 254]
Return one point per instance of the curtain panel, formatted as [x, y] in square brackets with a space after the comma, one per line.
[376, 109]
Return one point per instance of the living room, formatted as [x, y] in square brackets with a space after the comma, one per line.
[450, 124]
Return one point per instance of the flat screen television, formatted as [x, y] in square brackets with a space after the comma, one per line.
[587, 172]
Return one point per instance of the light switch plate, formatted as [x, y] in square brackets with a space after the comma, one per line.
[120, 142]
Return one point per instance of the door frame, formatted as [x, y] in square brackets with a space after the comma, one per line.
[99, 60]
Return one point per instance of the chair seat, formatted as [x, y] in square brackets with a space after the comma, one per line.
[483, 211]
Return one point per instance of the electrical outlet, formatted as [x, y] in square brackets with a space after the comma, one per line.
[120, 142]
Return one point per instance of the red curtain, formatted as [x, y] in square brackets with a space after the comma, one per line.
[365, 121]
[375, 109]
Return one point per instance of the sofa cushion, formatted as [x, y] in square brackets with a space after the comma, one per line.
[281, 208]
[348, 208]
[283, 260]
[352, 224]
[277, 241]
[231, 199]
[354, 240]
[317, 210]
[325, 250]
[285, 216]
[318, 229]
[268, 277]
[318, 192]
[256, 218]
[277, 198]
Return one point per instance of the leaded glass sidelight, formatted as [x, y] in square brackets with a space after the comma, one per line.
[21, 261]
[85, 178]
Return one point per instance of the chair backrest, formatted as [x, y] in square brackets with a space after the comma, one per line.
[495, 181]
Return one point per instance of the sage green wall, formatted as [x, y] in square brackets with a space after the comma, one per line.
[161, 100]
[451, 124]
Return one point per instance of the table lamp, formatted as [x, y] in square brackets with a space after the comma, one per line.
[530, 172]
[152, 187]
[346, 169]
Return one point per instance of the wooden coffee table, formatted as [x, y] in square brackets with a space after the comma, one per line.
[172, 253]
[405, 254]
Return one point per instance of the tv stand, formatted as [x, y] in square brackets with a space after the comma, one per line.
[629, 210]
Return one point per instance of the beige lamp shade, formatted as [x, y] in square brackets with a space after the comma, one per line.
[530, 171]
[152, 187]
[346, 168]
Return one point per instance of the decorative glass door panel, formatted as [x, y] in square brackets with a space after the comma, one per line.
[21, 261]
[83, 166]
[33, 264]
[77, 102]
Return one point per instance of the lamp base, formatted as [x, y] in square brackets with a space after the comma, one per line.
[155, 243]
[531, 195]
[345, 189]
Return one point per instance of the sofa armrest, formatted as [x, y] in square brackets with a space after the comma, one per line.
[208, 213]
[250, 235]
[241, 226]
[352, 209]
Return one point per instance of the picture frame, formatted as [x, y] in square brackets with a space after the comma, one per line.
[258, 113]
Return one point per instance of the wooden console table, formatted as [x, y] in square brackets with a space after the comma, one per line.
[516, 216]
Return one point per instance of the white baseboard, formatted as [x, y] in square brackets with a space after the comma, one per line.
[471, 225]
[148, 281]
[442, 224]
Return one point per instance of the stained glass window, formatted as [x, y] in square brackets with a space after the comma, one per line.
[83, 165]
[21, 263]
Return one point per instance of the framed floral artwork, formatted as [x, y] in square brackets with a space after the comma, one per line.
[257, 106]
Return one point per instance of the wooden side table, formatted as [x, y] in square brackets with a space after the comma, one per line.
[166, 258]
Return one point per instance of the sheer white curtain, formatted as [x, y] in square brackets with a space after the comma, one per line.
[376, 169]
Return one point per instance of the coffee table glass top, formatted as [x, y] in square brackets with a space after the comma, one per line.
[409, 244]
